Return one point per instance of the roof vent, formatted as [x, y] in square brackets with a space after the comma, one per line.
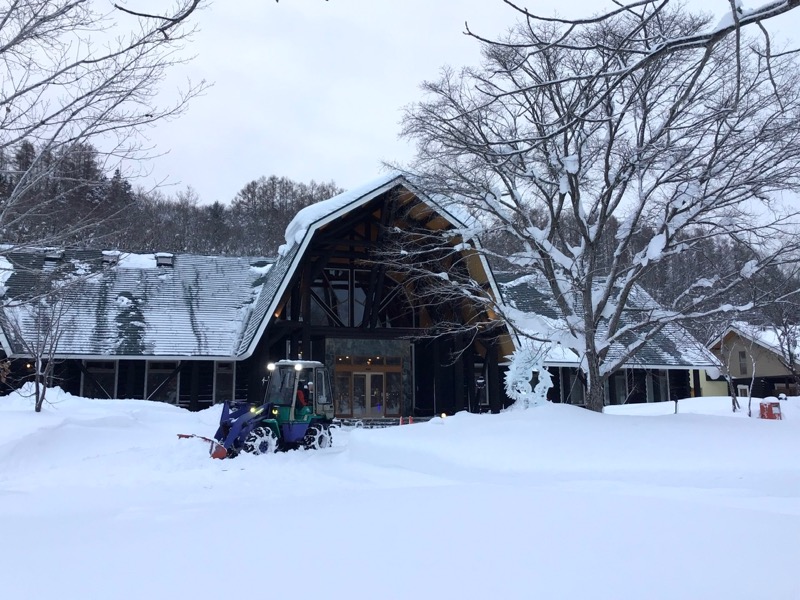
[54, 254]
[110, 257]
[165, 259]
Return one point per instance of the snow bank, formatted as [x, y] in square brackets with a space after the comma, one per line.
[563, 438]
[470, 506]
[707, 405]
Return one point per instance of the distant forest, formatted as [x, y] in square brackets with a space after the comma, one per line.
[76, 190]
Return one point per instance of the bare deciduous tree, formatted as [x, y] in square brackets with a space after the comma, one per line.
[607, 146]
[73, 76]
[36, 324]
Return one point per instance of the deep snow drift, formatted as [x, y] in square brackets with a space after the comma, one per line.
[99, 499]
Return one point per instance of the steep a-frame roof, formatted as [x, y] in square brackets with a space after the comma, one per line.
[673, 347]
[126, 305]
[301, 231]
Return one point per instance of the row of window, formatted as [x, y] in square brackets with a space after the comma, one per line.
[624, 387]
[368, 361]
[339, 298]
[160, 380]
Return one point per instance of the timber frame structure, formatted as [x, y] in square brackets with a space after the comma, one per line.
[344, 305]
[199, 330]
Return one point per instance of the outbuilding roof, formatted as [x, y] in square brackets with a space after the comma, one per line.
[532, 302]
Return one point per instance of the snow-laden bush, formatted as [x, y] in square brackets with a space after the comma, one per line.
[526, 361]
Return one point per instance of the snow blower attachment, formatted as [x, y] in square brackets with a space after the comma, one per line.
[215, 450]
[296, 413]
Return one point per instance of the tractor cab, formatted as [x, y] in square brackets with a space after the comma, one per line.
[299, 389]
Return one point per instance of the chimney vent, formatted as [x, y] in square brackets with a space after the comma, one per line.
[165, 259]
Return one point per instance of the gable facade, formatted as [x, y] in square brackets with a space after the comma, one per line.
[753, 358]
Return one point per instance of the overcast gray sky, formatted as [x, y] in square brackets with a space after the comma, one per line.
[310, 89]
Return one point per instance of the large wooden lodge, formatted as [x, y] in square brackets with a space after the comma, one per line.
[198, 330]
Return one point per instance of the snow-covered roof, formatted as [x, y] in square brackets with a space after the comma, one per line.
[198, 306]
[531, 306]
[765, 336]
[301, 230]
[312, 215]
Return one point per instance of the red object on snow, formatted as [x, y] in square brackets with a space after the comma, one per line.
[771, 410]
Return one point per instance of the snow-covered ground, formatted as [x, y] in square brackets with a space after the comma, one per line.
[99, 499]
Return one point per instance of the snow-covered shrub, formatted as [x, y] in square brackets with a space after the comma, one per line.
[526, 361]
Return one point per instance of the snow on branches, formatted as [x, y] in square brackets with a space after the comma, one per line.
[606, 148]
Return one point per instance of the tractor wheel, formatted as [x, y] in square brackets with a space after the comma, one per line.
[317, 437]
[261, 440]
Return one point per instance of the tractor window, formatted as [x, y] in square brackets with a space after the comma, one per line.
[281, 387]
[322, 390]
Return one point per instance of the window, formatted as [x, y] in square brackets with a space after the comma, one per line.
[223, 382]
[394, 393]
[340, 298]
[100, 379]
[572, 388]
[742, 362]
[161, 384]
[659, 386]
[618, 387]
[742, 391]
[300, 353]
[343, 404]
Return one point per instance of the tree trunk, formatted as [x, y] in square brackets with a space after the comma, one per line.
[39, 401]
[734, 400]
[40, 384]
[595, 388]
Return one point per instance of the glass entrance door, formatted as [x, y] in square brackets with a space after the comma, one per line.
[368, 395]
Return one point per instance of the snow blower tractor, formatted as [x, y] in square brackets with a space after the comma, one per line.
[296, 413]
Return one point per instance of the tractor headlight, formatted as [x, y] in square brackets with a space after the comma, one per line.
[252, 409]
[275, 411]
